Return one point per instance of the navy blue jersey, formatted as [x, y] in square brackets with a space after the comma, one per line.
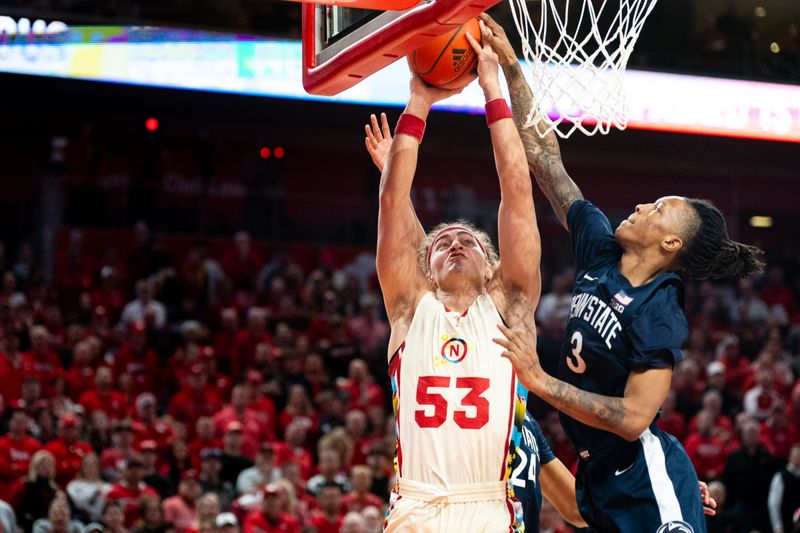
[533, 453]
[613, 327]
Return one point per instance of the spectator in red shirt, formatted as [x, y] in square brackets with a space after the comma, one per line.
[259, 402]
[780, 433]
[672, 421]
[147, 427]
[706, 450]
[81, 375]
[31, 397]
[180, 509]
[778, 296]
[255, 431]
[361, 497]
[270, 519]
[328, 518]
[41, 360]
[316, 375]
[244, 347]
[205, 437]
[712, 404]
[221, 381]
[355, 425]
[137, 360]
[195, 399]
[129, 489]
[11, 367]
[103, 397]
[68, 450]
[294, 449]
[16, 450]
[224, 341]
[299, 409]
[737, 367]
[368, 329]
[363, 392]
[242, 264]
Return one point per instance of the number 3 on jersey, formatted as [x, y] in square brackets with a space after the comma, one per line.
[574, 361]
[473, 398]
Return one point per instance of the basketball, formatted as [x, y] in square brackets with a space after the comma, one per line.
[448, 61]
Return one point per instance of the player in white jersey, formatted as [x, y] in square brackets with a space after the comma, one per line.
[458, 402]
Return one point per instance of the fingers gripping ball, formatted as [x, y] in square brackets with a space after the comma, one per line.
[448, 61]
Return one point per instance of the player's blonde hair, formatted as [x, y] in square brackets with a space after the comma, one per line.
[422, 251]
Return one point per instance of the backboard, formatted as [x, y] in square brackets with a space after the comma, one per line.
[342, 46]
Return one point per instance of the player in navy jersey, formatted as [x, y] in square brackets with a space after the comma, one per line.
[534, 465]
[624, 335]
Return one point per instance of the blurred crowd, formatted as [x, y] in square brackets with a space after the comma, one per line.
[146, 392]
[152, 391]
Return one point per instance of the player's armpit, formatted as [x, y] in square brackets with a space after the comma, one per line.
[558, 486]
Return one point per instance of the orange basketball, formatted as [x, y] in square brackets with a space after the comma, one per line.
[448, 61]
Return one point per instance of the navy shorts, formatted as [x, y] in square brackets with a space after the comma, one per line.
[645, 486]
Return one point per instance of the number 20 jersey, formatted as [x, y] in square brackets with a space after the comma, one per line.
[459, 407]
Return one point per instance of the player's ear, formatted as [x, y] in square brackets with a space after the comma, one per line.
[672, 243]
[489, 272]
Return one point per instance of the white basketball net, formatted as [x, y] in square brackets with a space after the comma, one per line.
[577, 53]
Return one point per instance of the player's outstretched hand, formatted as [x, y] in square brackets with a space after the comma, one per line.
[497, 39]
[520, 349]
[709, 503]
[428, 93]
[488, 60]
[378, 140]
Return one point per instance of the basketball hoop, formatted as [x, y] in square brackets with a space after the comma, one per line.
[577, 54]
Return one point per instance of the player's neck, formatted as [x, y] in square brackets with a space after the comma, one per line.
[458, 301]
[642, 266]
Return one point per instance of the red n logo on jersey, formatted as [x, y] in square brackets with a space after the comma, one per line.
[454, 350]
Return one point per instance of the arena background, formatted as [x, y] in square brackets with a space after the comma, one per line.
[107, 184]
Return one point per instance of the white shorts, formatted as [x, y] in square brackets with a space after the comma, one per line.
[423, 508]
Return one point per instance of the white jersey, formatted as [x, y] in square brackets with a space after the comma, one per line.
[455, 397]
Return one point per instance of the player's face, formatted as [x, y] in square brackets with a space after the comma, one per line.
[457, 252]
[650, 224]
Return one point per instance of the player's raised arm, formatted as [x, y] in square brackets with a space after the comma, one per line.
[378, 141]
[542, 153]
[518, 234]
[627, 416]
[399, 232]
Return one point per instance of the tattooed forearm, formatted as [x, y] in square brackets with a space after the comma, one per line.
[603, 412]
[543, 153]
